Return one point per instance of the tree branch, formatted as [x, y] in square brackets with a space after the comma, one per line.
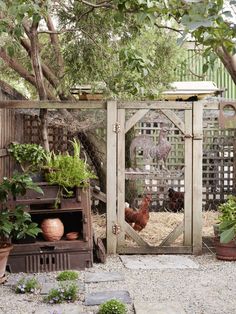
[103, 4]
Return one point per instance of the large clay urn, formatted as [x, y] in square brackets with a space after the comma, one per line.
[52, 228]
[4, 252]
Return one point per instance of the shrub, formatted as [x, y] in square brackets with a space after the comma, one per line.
[62, 294]
[68, 275]
[30, 285]
[112, 307]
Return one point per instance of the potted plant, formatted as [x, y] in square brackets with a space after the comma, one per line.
[225, 230]
[67, 171]
[14, 223]
[30, 157]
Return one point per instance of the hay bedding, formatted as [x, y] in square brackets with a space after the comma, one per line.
[158, 227]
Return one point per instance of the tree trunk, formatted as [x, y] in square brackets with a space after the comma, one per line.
[39, 81]
[229, 61]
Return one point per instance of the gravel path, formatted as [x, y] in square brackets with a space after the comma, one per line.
[210, 289]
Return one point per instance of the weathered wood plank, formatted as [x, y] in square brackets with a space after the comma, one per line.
[211, 106]
[134, 235]
[121, 178]
[156, 250]
[234, 168]
[154, 105]
[28, 104]
[173, 235]
[174, 118]
[111, 176]
[188, 142]
[197, 176]
[135, 118]
[3, 152]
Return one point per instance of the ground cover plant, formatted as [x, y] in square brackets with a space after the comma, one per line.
[28, 285]
[67, 275]
[112, 307]
[65, 293]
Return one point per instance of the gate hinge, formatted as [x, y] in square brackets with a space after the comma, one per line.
[116, 127]
[116, 229]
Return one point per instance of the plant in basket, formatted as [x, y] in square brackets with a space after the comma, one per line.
[30, 157]
[15, 223]
[68, 171]
[225, 241]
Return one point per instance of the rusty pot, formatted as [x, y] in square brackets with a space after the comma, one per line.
[53, 229]
[225, 251]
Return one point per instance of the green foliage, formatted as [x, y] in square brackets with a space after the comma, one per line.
[67, 275]
[227, 219]
[29, 156]
[28, 285]
[112, 307]
[16, 223]
[68, 171]
[65, 293]
[17, 185]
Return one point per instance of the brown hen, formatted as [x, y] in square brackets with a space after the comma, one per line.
[139, 219]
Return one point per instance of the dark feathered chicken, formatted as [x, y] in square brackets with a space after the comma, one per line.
[176, 200]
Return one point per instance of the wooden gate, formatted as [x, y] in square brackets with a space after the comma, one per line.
[187, 118]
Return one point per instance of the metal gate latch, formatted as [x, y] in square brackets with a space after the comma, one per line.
[116, 127]
[116, 229]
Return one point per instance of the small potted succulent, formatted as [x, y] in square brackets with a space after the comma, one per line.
[225, 230]
[14, 223]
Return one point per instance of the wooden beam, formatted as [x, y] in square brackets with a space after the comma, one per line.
[156, 250]
[3, 152]
[154, 105]
[121, 178]
[175, 119]
[178, 230]
[197, 177]
[188, 158]
[134, 235]
[28, 104]
[111, 176]
[135, 118]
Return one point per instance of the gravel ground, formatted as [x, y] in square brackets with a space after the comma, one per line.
[210, 289]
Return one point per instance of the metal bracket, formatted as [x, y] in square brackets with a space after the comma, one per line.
[116, 229]
[116, 127]
[188, 136]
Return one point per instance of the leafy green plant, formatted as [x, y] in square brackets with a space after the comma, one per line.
[30, 156]
[65, 293]
[68, 171]
[227, 220]
[16, 223]
[28, 285]
[112, 307]
[67, 275]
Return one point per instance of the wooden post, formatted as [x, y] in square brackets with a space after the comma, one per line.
[188, 178]
[121, 177]
[111, 175]
[197, 176]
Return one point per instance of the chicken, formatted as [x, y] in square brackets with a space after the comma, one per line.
[138, 219]
[176, 200]
[150, 150]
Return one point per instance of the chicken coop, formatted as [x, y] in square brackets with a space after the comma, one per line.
[161, 158]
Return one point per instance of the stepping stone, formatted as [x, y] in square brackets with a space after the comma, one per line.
[47, 286]
[97, 298]
[158, 262]
[158, 308]
[61, 309]
[103, 276]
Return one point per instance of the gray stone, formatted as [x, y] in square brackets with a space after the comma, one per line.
[158, 308]
[97, 298]
[61, 309]
[103, 276]
[158, 262]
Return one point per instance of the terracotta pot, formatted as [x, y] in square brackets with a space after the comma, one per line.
[72, 235]
[4, 252]
[52, 228]
[225, 251]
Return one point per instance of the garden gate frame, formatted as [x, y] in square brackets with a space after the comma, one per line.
[191, 127]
